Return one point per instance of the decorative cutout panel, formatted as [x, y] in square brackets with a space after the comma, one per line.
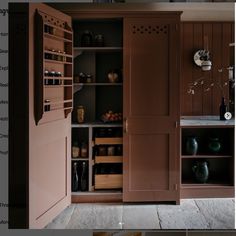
[150, 29]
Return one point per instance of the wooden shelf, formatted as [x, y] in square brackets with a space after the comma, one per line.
[59, 77]
[96, 124]
[52, 36]
[206, 185]
[57, 86]
[114, 140]
[58, 62]
[109, 181]
[80, 159]
[100, 49]
[108, 159]
[204, 156]
[58, 102]
[58, 28]
[79, 50]
[58, 53]
[98, 84]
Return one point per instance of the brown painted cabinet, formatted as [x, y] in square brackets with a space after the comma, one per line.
[151, 108]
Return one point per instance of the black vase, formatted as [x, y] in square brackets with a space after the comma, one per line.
[191, 146]
[201, 171]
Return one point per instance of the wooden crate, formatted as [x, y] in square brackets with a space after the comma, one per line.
[108, 159]
[109, 181]
[99, 141]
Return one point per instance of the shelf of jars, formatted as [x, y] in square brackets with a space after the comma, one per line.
[53, 69]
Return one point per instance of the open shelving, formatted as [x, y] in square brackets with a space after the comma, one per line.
[97, 97]
[220, 163]
[54, 92]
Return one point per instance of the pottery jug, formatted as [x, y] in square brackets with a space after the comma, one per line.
[201, 171]
[191, 146]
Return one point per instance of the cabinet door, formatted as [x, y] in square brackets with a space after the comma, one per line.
[40, 153]
[151, 109]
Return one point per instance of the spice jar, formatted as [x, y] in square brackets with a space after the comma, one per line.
[84, 150]
[102, 151]
[47, 105]
[75, 150]
[80, 114]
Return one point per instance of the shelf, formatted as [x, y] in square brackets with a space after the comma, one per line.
[99, 141]
[204, 156]
[96, 124]
[58, 28]
[207, 185]
[80, 159]
[58, 102]
[98, 84]
[58, 62]
[58, 53]
[51, 36]
[109, 181]
[108, 159]
[59, 77]
[98, 192]
[57, 86]
[79, 50]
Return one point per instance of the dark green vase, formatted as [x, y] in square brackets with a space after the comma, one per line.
[191, 146]
[201, 171]
[214, 145]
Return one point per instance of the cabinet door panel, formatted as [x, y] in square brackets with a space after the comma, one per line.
[151, 109]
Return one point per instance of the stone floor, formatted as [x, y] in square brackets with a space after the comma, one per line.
[190, 214]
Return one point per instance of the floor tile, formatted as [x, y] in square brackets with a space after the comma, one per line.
[140, 217]
[183, 216]
[96, 216]
[219, 213]
[61, 221]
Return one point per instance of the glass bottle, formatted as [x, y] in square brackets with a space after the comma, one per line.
[83, 180]
[223, 109]
[80, 114]
[75, 178]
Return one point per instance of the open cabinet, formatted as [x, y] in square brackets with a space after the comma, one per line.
[119, 73]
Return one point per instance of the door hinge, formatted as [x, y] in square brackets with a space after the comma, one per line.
[176, 187]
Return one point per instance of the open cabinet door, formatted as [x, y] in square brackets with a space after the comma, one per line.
[151, 108]
[40, 106]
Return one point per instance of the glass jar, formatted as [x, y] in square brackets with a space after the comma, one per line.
[84, 150]
[75, 150]
[80, 114]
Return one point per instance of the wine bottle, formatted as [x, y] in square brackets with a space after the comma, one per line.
[83, 180]
[223, 109]
[75, 178]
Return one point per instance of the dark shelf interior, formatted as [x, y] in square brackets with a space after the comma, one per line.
[221, 171]
[203, 136]
[111, 29]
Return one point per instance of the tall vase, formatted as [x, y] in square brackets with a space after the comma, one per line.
[191, 146]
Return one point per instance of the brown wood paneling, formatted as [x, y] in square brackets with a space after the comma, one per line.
[218, 35]
[217, 62]
[207, 95]
[226, 40]
[186, 68]
[196, 73]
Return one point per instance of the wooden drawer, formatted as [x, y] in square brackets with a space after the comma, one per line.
[108, 141]
[108, 159]
[111, 181]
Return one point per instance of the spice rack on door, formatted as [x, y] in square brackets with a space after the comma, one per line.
[53, 68]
